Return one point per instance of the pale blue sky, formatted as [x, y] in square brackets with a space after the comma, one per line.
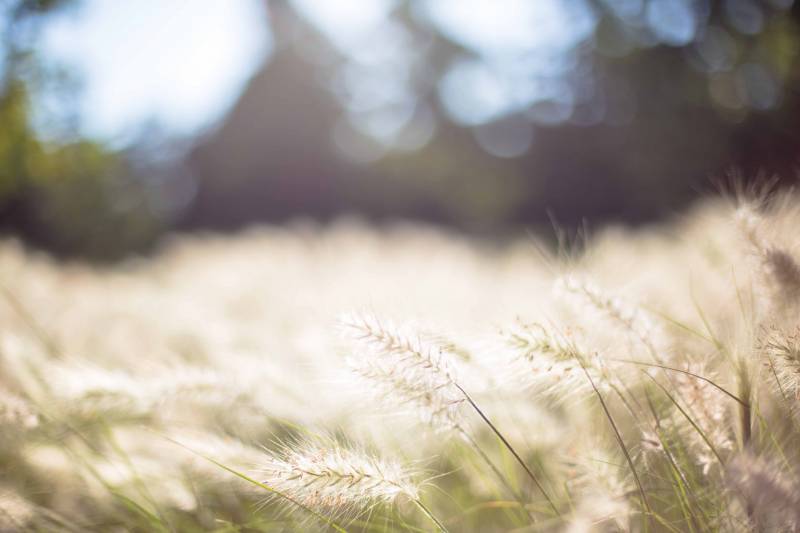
[179, 63]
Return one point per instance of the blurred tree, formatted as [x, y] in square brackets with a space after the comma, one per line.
[70, 195]
[634, 106]
[604, 109]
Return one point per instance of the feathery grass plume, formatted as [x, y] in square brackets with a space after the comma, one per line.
[90, 391]
[769, 493]
[709, 409]
[602, 496]
[552, 361]
[447, 345]
[783, 354]
[420, 374]
[137, 459]
[778, 271]
[335, 480]
[406, 371]
[629, 317]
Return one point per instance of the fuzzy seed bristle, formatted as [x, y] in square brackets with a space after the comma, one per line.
[335, 480]
[406, 371]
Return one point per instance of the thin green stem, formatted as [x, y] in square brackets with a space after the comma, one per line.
[264, 486]
[618, 436]
[509, 448]
[496, 471]
[689, 418]
[430, 515]
[688, 373]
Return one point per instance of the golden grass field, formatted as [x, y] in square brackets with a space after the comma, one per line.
[315, 378]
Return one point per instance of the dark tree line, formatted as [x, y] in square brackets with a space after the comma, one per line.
[675, 117]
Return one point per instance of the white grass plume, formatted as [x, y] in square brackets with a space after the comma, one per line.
[778, 270]
[628, 317]
[335, 480]
[418, 373]
[406, 371]
[710, 409]
[552, 361]
[782, 352]
[88, 391]
[602, 496]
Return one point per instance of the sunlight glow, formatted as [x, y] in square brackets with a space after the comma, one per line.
[179, 65]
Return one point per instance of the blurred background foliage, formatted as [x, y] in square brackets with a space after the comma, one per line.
[64, 195]
[487, 116]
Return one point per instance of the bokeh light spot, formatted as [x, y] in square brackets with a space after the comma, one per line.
[674, 22]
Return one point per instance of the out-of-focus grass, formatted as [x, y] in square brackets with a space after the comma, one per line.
[647, 383]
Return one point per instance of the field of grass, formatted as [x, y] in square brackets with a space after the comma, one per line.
[338, 378]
